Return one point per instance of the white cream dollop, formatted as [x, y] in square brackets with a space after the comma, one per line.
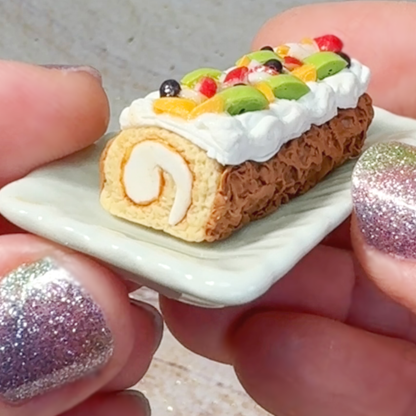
[258, 135]
[143, 182]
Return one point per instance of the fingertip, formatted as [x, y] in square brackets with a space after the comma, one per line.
[148, 331]
[85, 97]
[47, 113]
[78, 325]
[125, 403]
[394, 275]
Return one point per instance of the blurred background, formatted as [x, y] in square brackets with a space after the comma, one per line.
[136, 44]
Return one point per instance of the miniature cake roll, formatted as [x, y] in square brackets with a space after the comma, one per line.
[201, 158]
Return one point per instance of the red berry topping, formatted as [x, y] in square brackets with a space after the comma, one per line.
[266, 69]
[207, 86]
[237, 76]
[329, 43]
[291, 63]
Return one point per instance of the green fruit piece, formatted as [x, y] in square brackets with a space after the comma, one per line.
[287, 87]
[260, 56]
[242, 99]
[193, 77]
[326, 63]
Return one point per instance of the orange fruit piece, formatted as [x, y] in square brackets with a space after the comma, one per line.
[306, 73]
[244, 61]
[266, 90]
[213, 105]
[282, 50]
[307, 41]
[177, 107]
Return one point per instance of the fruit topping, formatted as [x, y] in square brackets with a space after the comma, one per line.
[326, 63]
[282, 50]
[170, 88]
[258, 79]
[213, 105]
[265, 88]
[207, 86]
[260, 56]
[177, 107]
[291, 63]
[306, 73]
[301, 51]
[244, 61]
[287, 87]
[193, 95]
[274, 64]
[308, 41]
[193, 77]
[237, 76]
[346, 57]
[260, 73]
[242, 99]
[329, 43]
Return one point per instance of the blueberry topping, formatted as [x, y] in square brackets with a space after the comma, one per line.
[170, 88]
[267, 48]
[346, 58]
[274, 64]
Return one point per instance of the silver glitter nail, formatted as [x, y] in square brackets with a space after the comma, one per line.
[384, 195]
[51, 332]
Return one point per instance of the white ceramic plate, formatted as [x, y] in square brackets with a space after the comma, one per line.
[60, 202]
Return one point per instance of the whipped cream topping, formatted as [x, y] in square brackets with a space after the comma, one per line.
[258, 135]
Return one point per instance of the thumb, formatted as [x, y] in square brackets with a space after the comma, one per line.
[384, 220]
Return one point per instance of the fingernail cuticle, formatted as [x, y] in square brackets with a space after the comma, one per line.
[51, 331]
[76, 68]
[384, 196]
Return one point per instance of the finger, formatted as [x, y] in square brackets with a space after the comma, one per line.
[129, 403]
[327, 282]
[311, 366]
[363, 27]
[373, 310]
[6, 227]
[383, 232]
[340, 237]
[148, 336]
[47, 114]
[322, 284]
[66, 327]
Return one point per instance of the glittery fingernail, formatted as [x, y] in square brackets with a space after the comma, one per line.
[76, 68]
[384, 196]
[51, 331]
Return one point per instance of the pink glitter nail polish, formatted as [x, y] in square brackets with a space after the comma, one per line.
[384, 196]
[51, 332]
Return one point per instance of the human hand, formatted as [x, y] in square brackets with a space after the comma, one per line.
[337, 335]
[68, 333]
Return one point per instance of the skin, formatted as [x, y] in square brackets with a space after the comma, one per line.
[336, 336]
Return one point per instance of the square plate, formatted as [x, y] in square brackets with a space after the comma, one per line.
[60, 202]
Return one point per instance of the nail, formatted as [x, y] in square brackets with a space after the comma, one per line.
[51, 331]
[384, 196]
[140, 398]
[77, 68]
[155, 316]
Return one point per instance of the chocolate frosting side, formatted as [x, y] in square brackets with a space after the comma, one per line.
[252, 190]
